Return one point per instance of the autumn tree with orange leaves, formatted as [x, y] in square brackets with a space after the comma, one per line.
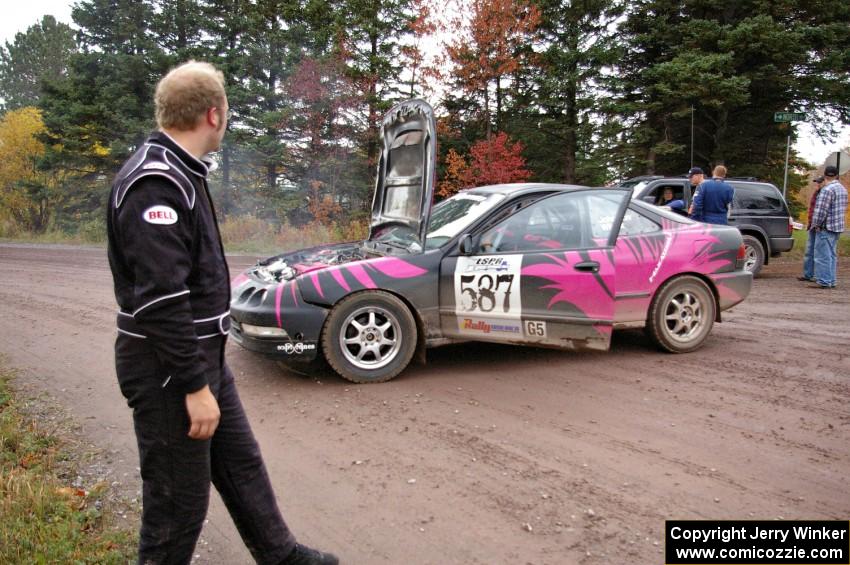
[490, 47]
[492, 161]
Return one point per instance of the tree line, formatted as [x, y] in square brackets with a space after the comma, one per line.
[584, 92]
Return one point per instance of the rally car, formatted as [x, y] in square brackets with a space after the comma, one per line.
[529, 264]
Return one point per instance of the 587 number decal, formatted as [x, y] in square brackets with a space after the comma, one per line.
[481, 294]
[488, 285]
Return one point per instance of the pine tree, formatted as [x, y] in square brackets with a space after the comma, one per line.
[102, 109]
[41, 53]
[735, 64]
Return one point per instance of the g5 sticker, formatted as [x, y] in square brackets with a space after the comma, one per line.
[535, 329]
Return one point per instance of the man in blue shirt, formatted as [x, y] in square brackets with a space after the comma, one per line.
[827, 225]
[712, 201]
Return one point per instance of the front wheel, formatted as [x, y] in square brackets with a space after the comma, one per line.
[682, 315]
[754, 254]
[369, 337]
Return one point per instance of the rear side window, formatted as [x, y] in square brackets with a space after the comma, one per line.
[757, 197]
[635, 224]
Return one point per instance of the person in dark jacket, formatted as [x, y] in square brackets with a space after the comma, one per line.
[712, 201]
[696, 177]
[172, 287]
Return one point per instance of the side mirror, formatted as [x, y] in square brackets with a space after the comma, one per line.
[649, 199]
[466, 245]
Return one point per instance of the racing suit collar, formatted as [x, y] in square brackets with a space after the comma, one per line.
[197, 166]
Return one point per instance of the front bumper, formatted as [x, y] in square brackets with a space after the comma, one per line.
[275, 306]
[279, 348]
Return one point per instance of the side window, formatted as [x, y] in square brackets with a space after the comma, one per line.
[757, 197]
[663, 194]
[573, 220]
[636, 224]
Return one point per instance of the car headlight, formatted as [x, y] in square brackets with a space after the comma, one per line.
[263, 331]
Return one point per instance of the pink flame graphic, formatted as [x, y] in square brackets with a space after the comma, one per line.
[314, 277]
[586, 292]
[362, 276]
[340, 279]
[277, 293]
[395, 268]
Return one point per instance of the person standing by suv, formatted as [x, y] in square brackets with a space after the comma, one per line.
[696, 178]
[809, 255]
[828, 223]
[712, 201]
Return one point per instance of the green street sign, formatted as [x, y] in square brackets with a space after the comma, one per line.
[789, 116]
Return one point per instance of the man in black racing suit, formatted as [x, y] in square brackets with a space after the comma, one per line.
[172, 287]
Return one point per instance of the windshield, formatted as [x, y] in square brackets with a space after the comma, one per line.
[448, 218]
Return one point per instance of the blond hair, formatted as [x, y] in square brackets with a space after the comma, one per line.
[719, 171]
[185, 94]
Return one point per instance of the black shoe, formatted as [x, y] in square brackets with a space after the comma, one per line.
[303, 555]
[818, 285]
[805, 279]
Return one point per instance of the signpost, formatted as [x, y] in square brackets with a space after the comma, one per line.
[787, 117]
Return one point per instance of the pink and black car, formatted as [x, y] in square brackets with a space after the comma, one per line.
[528, 264]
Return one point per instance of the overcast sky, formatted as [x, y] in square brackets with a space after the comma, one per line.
[28, 12]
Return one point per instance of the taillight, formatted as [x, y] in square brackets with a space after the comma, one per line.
[790, 225]
[742, 252]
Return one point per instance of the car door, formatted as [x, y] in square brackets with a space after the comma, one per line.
[545, 275]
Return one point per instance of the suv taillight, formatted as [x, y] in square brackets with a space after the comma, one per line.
[790, 225]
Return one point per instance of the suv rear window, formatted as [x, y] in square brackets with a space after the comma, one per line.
[761, 197]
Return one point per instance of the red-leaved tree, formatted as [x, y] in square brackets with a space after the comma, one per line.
[486, 48]
[491, 161]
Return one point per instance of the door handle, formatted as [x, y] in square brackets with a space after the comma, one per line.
[587, 267]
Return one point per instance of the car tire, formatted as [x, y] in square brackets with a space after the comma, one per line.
[754, 254]
[681, 315]
[369, 337]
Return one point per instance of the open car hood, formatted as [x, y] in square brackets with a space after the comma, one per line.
[406, 172]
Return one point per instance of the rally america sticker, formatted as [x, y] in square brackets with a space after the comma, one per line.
[162, 215]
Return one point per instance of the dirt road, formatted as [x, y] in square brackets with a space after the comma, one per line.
[494, 454]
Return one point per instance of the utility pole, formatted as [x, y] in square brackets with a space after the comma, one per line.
[692, 135]
[787, 118]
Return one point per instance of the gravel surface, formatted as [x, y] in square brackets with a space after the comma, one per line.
[492, 454]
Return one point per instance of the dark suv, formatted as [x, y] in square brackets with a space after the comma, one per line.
[758, 210]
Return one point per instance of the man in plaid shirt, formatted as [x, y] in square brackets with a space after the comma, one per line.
[827, 225]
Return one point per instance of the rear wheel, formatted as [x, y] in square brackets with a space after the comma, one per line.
[754, 254]
[369, 337]
[682, 315]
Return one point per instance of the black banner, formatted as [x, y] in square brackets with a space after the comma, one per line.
[757, 542]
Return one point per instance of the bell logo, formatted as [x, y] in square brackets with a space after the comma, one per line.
[162, 215]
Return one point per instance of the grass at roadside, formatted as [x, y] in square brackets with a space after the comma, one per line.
[240, 234]
[42, 519]
[800, 245]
